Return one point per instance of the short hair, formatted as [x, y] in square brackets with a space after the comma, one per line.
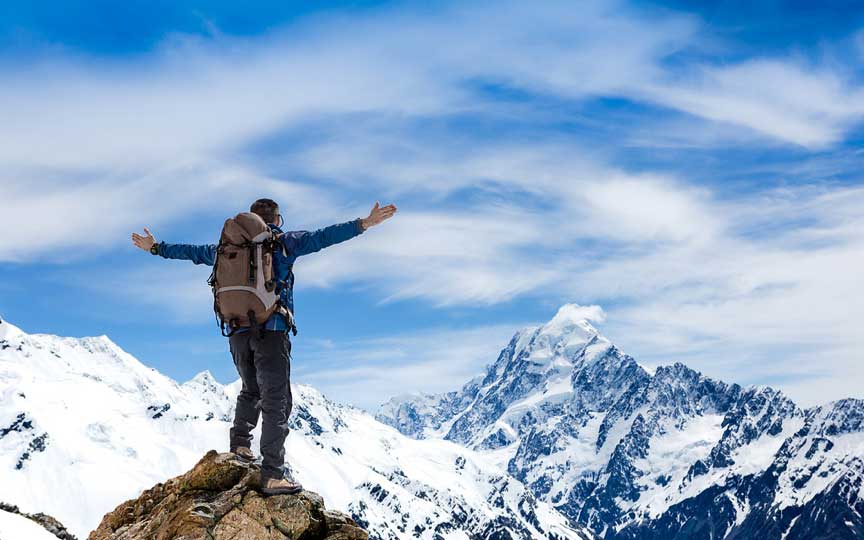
[267, 209]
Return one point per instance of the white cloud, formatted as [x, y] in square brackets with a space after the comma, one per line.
[194, 99]
[57, 217]
[444, 258]
[809, 106]
[179, 290]
[366, 372]
[645, 208]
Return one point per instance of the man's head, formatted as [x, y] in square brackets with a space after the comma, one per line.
[268, 210]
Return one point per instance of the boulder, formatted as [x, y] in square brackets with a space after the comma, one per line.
[219, 499]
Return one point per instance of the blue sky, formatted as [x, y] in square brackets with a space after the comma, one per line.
[695, 170]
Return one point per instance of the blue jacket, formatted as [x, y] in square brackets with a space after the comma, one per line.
[297, 244]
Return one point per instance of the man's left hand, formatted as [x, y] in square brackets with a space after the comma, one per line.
[378, 215]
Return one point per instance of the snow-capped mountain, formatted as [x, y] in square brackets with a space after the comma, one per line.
[636, 453]
[85, 426]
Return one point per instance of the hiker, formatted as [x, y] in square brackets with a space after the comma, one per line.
[261, 352]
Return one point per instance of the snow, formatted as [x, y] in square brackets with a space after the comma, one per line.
[759, 454]
[789, 528]
[566, 335]
[742, 508]
[524, 337]
[570, 315]
[16, 527]
[819, 472]
[9, 331]
[557, 389]
[832, 457]
[671, 455]
[580, 456]
[372, 450]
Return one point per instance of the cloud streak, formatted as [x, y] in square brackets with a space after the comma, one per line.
[431, 360]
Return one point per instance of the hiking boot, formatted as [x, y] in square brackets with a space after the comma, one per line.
[244, 454]
[280, 486]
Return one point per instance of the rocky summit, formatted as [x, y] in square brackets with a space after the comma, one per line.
[218, 499]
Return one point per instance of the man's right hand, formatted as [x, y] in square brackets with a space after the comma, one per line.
[144, 242]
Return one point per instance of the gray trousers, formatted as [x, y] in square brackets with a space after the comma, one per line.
[264, 364]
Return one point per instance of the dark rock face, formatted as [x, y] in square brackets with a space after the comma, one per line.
[23, 426]
[49, 523]
[219, 500]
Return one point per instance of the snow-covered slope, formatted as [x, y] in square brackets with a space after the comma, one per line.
[635, 453]
[400, 487]
[562, 434]
[17, 527]
[85, 426]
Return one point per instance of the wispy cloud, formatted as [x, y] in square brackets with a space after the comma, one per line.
[368, 371]
[87, 215]
[807, 105]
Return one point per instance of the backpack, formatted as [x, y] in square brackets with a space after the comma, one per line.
[245, 291]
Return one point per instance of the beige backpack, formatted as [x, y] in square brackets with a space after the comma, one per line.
[244, 289]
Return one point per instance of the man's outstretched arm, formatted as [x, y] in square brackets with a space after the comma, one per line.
[305, 242]
[205, 254]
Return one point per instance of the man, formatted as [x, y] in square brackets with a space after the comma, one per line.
[262, 358]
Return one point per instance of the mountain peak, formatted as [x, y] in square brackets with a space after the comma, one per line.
[8, 330]
[567, 335]
[205, 377]
[570, 317]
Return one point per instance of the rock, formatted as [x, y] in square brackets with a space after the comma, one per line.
[49, 523]
[218, 499]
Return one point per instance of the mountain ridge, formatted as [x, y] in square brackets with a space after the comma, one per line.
[628, 451]
[86, 418]
[563, 436]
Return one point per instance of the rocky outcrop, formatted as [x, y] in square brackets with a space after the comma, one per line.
[219, 500]
[49, 523]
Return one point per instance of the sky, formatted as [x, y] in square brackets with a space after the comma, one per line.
[693, 169]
